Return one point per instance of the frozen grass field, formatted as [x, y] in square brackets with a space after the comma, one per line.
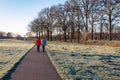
[10, 52]
[85, 62]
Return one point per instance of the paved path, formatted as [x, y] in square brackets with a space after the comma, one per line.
[35, 66]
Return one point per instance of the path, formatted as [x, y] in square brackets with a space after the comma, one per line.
[36, 66]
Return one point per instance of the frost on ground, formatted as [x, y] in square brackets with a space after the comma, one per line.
[85, 62]
[10, 52]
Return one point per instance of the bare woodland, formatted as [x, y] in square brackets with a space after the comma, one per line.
[79, 20]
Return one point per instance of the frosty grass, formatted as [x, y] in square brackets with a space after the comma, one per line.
[85, 62]
[10, 52]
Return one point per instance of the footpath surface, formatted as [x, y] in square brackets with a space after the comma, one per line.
[35, 66]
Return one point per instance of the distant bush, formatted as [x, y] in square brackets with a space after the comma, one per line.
[107, 43]
[112, 43]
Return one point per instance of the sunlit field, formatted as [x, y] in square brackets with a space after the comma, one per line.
[10, 53]
[85, 62]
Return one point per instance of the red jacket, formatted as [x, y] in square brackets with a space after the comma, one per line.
[38, 42]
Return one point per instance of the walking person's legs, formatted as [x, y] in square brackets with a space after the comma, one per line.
[38, 48]
[43, 48]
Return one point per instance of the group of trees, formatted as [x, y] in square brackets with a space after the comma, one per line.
[78, 16]
[10, 35]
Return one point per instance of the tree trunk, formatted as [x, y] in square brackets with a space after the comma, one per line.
[72, 33]
[71, 36]
[65, 36]
[39, 34]
[48, 34]
[101, 30]
[36, 34]
[51, 35]
[68, 35]
[86, 26]
[110, 32]
[78, 35]
[92, 30]
[60, 37]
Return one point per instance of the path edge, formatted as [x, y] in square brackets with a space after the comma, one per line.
[7, 76]
[55, 66]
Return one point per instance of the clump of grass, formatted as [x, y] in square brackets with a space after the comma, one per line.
[64, 48]
[72, 55]
[89, 41]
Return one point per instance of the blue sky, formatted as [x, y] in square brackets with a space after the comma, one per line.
[15, 15]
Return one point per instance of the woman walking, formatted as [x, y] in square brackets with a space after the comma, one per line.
[38, 44]
[43, 43]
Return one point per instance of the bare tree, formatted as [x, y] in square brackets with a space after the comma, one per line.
[34, 26]
[70, 7]
[85, 7]
[62, 17]
[53, 19]
[112, 10]
[44, 16]
[93, 9]
[80, 16]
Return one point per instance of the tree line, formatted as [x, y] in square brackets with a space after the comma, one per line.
[84, 18]
[6, 35]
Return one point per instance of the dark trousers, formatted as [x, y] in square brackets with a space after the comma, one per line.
[43, 48]
[38, 48]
